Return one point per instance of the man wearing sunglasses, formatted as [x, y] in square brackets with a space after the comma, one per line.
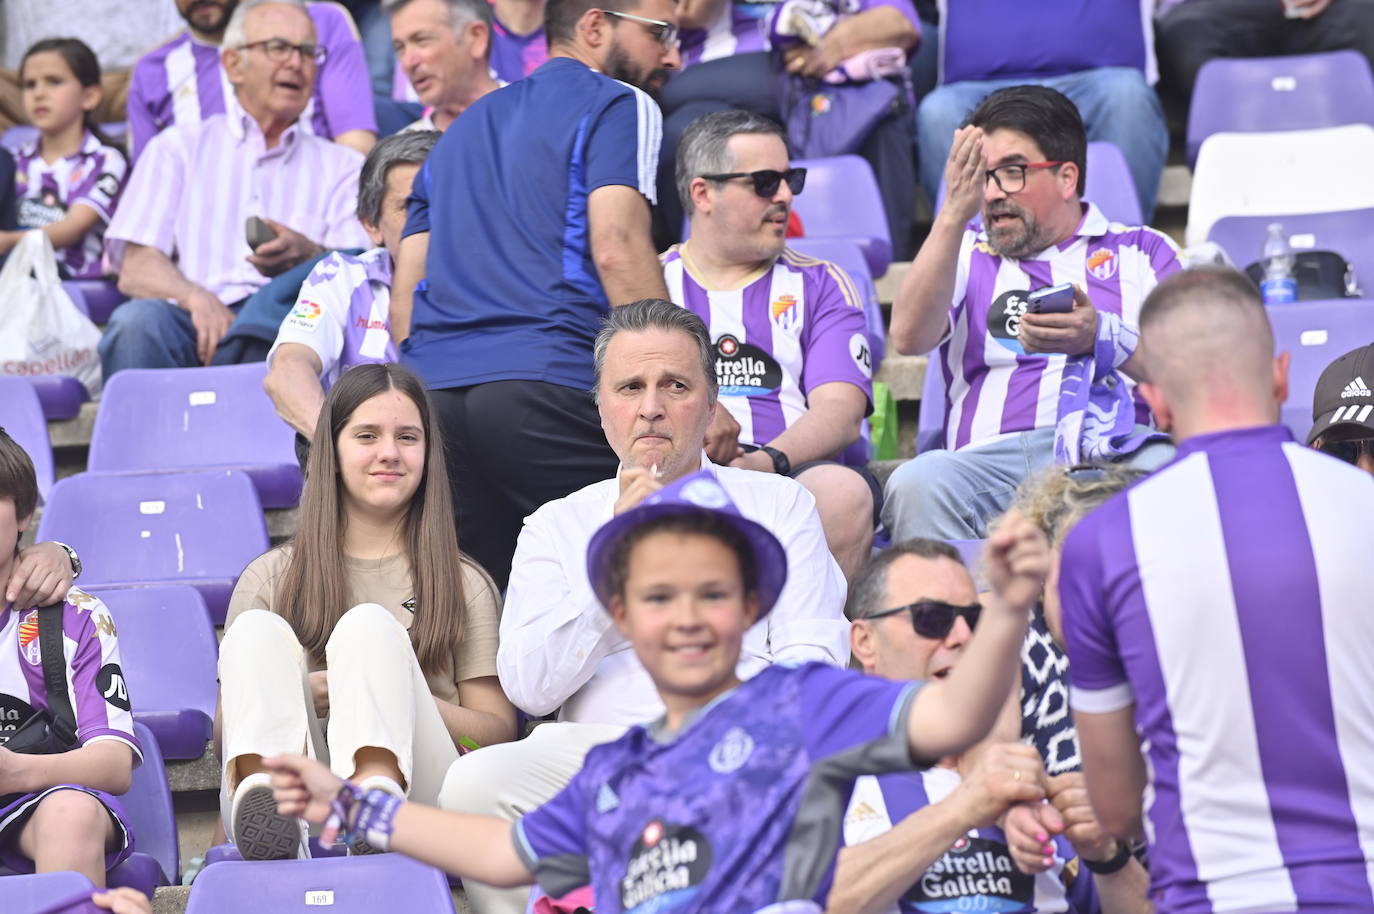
[792, 358]
[1343, 409]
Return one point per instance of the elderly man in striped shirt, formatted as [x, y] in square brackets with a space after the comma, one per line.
[1023, 389]
[178, 240]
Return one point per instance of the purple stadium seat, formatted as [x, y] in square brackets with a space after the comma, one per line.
[971, 551]
[847, 255]
[95, 297]
[1301, 92]
[17, 136]
[1347, 233]
[1316, 333]
[175, 419]
[60, 395]
[21, 415]
[226, 853]
[1109, 185]
[841, 200]
[170, 657]
[199, 529]
[342, 885]
[49, 893]
[930, 426]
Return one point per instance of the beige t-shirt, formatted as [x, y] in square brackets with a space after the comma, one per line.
[387, 583]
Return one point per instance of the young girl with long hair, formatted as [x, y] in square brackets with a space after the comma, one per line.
[368, 640]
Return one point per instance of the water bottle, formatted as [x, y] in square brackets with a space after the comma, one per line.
[1279, 284]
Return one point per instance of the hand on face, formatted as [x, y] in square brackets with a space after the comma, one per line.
[1071, 333]
[965, 174]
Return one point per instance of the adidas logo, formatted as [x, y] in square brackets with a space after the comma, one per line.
[862, 812]
[1356, 388]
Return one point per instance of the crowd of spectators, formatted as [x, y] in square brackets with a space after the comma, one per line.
[584, 439]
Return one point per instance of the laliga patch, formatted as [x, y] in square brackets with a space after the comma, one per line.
[110, 682]
[1102, 263]
[732, 751]
[28, 638]
[745, 370]
[1004, 319]
[667, 866]
[859, 352]
[108, 185]
[13, 712]
[976, 874]
[306, 315]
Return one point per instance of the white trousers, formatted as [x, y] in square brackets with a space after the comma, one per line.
[378, 697]
[510, 779]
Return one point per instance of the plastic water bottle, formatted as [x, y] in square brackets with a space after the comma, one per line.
[1279, 284]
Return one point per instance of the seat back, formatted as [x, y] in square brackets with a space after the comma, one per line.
[46, 892]
[197, 418]
[1300, 92]
[21, 416]
[148, 804]
[342, 885]
[846, 254]
[60, 394]
[1277, 174]
[842, 200]
[1347, 233]
[1316, 333]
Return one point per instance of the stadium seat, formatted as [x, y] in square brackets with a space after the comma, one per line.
[971, 551]
[21, 415]
[17, 136]
[848, 256]
[341, 885]
[1277, 174]
[170, 656]
[1301, 92]
[96, 298]
[175, 419]
[930, 425]
[1316, 333]
[61, 395]
[1348, 233]
[841, 200]
[199, 529]
[65, 892]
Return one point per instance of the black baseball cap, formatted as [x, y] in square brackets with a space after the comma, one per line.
[1344, 398]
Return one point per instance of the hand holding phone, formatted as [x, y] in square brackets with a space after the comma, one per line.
[1051, 300]
[257, 232]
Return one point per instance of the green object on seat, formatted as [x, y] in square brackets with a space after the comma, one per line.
[883, 423]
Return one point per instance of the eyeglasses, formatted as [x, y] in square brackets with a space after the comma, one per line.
[665, 33]
[768, 180]
[1350, 449]
[1011, 179]
[279, 50]
[934, 618]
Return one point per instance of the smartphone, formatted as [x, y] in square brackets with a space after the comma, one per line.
[258, 232]
[1051, 300]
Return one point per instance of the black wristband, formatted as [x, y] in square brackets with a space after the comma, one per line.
[781, 465]
[1112, 864]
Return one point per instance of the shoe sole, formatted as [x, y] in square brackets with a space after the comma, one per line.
[262, 833]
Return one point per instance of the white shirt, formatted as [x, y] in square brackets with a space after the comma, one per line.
[559, 647]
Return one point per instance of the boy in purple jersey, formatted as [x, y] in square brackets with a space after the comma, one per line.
[59, 811]
[733, 800]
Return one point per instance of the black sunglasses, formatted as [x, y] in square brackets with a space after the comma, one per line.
[1350, 449]
[768, 180]
[934, 618]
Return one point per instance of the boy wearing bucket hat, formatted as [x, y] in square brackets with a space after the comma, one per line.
[733, 800]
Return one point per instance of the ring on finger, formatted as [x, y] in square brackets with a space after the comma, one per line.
[1016, 775]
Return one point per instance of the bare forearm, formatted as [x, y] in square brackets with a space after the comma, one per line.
[870, 877]
[473, 847]
[73, 228]
[880, 27]
[105, 765]
[920, 313]
[631, 272]
[1127, 891]
[361, 140]
[149, 273]
[819, 434]
[481, 727]
[294, 386]
[410, 269]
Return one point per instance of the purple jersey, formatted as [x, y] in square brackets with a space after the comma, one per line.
[516, 56]
[94, 176]
[992, 387]
[977, 872]
[183, 81]
[741, 810]
[796, 327]
[1225, 599]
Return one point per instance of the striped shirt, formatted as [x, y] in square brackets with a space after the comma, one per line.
[96, 685]
[991, 387]
[182, 82]
[46, 193]
[342, 314]
[798, 325]
[199, 182]
[1226, 598]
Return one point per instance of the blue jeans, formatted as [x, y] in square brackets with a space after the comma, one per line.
[952, 495]
[149, 333]
[1116, 103]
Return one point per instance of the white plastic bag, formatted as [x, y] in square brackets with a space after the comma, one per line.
[41, 331]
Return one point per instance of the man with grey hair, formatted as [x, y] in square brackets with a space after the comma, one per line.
[340, 319]
[792, 353]
[656, 395]
[444, 47]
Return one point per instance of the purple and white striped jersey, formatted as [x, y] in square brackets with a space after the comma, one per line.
[182, 81]
[991, 387]
[46, 193]
[1227, 599]
[797, 326]
[739, 28]
[342, 313]
[95, 680]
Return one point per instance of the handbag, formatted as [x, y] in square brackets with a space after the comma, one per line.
[50, 730]
[42, 332]
[825, 119]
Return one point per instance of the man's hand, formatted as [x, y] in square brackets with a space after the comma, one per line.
[636, 484]
[1069, 796]
[722, 437]
[283, 252]
[319, 691]
[1016, 561]
[802, 60]
[754, 460]
[210, 318]
[1005, 774]
[305, 789]
[41, 575]
[122, 900]
[965, 174]
[1071, 333]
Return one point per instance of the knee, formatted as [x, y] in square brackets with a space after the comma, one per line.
[257, 627]
[930, 476]
[1123, 86]
[367, 624]
[941, 111]
[472, 784]
[70, 819]
[843, 498]
[136, 314]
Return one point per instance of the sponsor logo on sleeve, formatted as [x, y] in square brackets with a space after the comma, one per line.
[107, 184]
[667, 865]
[306, 315]
[860, 353]
[110, 682]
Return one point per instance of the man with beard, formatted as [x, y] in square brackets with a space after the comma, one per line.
[182, 81]
[527, 223]
[1022, 389]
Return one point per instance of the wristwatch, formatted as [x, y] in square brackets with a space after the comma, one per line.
[1112, 863]
[781, 465]
[71, 557]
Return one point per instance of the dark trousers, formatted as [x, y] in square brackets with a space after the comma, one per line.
[1193, 33]
[747, 81]
[511, 447]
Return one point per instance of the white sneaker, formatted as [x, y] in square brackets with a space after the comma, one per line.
[259, 831]
[359, 847]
